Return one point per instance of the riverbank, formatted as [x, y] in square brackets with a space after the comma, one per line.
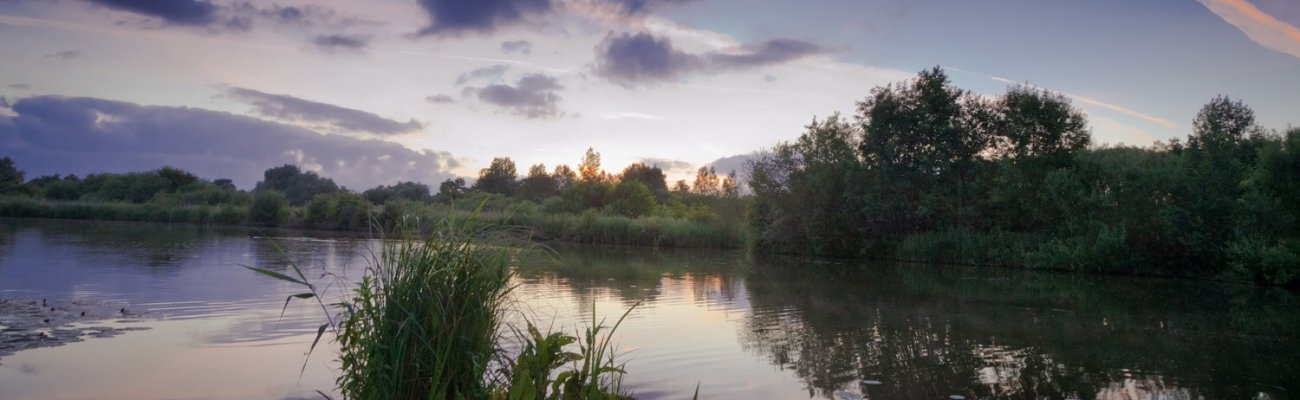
[588, 227]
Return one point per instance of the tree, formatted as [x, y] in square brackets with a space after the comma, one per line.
[681, 187]
[916, 127]
[451, 189]
[499, 177]
[651, 176]
[539, 184]
[564, 176]
[408, 191]
[297, 186]
[1035, 123]
[10, 176]
[1220, 125]
[224, 184]
[589, 169]
[176, 178]
[706, 182]
[730, 187]
[630, 199]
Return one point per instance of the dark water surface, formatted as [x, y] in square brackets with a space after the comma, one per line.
[742, 328]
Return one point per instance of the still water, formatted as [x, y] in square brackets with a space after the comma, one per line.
[740, 328]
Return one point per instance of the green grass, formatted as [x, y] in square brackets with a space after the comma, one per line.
[425, 322]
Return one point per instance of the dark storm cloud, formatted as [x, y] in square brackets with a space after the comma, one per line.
[453, 17]
[230, 17]
[439, 99]
[517, 46]
[489, 73]
[332, 117]
[174, 12]
[64, 55]
[630, 58]
[533, 96]
[641, 57]
[763, 54]
[53, 134]
[337, 42]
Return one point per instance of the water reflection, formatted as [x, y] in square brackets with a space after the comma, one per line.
[741, 328]
[933, 332]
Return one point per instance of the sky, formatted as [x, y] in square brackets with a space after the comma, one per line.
[381, 91]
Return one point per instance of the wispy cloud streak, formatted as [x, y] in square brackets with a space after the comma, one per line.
[1259, 26]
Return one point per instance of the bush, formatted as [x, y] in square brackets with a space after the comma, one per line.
[270, 208]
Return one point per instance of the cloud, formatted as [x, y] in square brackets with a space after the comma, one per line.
[770, 52]
[439, 99]
[489, 73]
[668, 165]
[1091, 101]
[64, 55]
[628, 58]
[323, 116]
[54, 134]
[517, 46]
[336, 42]
[173, 12]
[641, 57]
[533, 96]
[455, 17]
[20, 86]
[1259, 26]
[738, 163]
[769, 78]
[4, 103]
[634, 7]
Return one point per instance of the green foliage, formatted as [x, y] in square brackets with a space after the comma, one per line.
[270, 208]
[424, 323]
[499, 177]
[630, 199]
[931, 173]
[297, 186]
[539, 184]
[651, 176]
[400, 191]
[10, 176]
[339, 210]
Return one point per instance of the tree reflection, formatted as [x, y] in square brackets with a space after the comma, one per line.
[927, 332]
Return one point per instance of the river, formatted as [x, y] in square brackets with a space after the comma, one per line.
[739, 327]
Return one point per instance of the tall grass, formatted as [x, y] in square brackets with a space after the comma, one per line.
[424, 321]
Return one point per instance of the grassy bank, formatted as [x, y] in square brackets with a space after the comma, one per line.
[590, 226]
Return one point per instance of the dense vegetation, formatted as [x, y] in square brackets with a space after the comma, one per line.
[588, 205]
[425, 322]
[929, 172]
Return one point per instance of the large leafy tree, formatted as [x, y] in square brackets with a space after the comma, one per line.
[499, 177]
[298, 186]
[651, 176]
[538, 184]
[10, 175]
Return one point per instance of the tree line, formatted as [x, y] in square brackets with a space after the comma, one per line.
[930, 172]
[709, 209]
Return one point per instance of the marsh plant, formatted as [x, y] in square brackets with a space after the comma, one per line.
[426, 319]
